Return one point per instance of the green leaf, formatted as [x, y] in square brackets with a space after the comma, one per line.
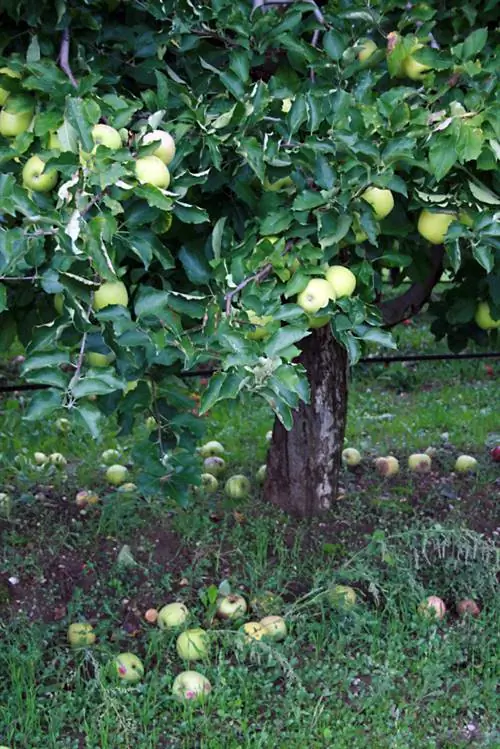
[252, 152]
[333, 44]
[474, 43]
[79, 117]
[217, 235]
[195, 264]
[276, 222]
[3, 297]
[283, 338]
[308, 200]
[190, 214]
[240, 64]
[376, 335]
[483, 194]
[442, 157]
[96, 382]
[151, 302]
[43, 404]
[47, 359]
[484, 256]
[49, 376]
[90, 416]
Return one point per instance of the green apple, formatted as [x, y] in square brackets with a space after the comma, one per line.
[116, 474]
[54, 143]
[59, 303]
[214, 465]
[261, 331]
[420, 463]
[261, 474]
[237, 487]
[172, 615]
[4, 94]
[318, 322]
[433, 226]
[81, 635]
[380, 200]
[466, 464]
[150, 170]
[128, 488]
[342, 280]
[366, 50]
[110, 292]
[387, 466]
[275, 627]
[316, 295]
[190, 685]
[5, 504]
[16, 116]
[209, 483]
[286, 105]
[40, 458]
[151, 423]
[342, 595]
[166, 145]
[414, 69]
[57, 459]
[231, 607]
[432, 608]
[109, 457]
[128, 667]
[36, 178]
[209, 449]
[94, 359]
[105, 135]
[63, 425]
[351, 457]
[193, 644]
[483, 317]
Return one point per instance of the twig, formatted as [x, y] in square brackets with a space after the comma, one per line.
[64, 57]
[19, 278]
[81, 353]
[259, 276]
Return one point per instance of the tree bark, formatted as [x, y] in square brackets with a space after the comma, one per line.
[303, 464]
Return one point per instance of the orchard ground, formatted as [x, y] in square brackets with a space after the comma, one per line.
[376, 675]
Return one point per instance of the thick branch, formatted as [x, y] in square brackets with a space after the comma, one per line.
[64, 57]
[408, 304]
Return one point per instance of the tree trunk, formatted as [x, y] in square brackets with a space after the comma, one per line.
[303, 464]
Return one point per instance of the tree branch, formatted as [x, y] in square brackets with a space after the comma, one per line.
[408, 304]
[64, 57]
[259, 276]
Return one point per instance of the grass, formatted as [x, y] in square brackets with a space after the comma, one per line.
[376, 675]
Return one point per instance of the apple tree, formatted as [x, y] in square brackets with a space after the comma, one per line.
[309, 139]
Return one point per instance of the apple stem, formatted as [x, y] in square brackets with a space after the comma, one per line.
[64, 57]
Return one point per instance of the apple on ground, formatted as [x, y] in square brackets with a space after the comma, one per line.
[85, 497]
[190, 685]
[351, 457]
[151, 616]
[81, 634]
[209, 449]
[105, 135]
[109, 457]
[214, 465]
[380, 200]
[36, 178]
[209, 483]
[127, 488]
[172, 615]
[342, 595]
[433, 608]
[150, 170]
[16, 116]
[468, 607]
[366, 50]
[237, 487]
[317, 294]
[483, 317]
[110, 292]
[166, 145]
[253, 631]
[433, 225]
[231, 607]
[275, 627]
[466, 464]
[387, 466]
[342, 280]
[420, 463]
[116, 474]
[495, 454]
[193, 644]
[40, 458]
[128, 667]
[57, 459]
[261, 474]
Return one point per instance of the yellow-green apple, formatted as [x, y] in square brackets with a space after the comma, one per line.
[127, 488]
[316, 295]
[172, 615]
[342, 595]
[130, 386]
[81, 635]
[116, 474]
[466, 464]
[351, 457]
[166, 145]
[151, 423]
[275, 627]
[57, 459]
[414, 69]
[420, 463]
[318, 322]
[231, 607]
[16, 116]
[342, 280]
[40, 458]
[193, 644]
[209, 449]
[387, 466]
[433, 225]
[85, 497]
[366, 50]
[261, 474]
[468, 607]
[380, 200]
[110, 292]
[483, 317]
[109, 457]
[36, 178]
[59, 303]
[4, 94]
[94, 359]
[286, 105]
[261, 323]
[190, 685]
[214, 465]
[128, 667]
[237, 487]
[105, 135]
[433, 608]
[63, 425]
[253, 631]
[209, 483]
[5, 504]
[150, 170]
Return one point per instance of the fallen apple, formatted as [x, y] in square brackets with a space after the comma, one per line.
[151, 616]
[57, 459]
[466, 464]
[237, 487]
[253, 631]
[150, 170]
[342, 595]
[387, 466]
[36, 178]
[351, 457]
[420, 463]
[209, 449]
[433, 226]
[109, 457]
[380, 200]
[231, 607]
[81, 635]
[468, 607]
[495, 454]
[40, 459]
[317, 294]
[433, 608]
[127, 488]
[110, 292]
[172, 615]
[128, 667]
[214, 465]
[342, 280]
[483, 317]
[261, 474]
[166, 145]
[275, 627]
[209, 483]
[84, 498]
[193, 644]
[190, 685]
[116, 474]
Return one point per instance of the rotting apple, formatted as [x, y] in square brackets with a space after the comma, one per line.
[81, 635]
[214, 465]
[420, 463]
[432, 608]
[172, 615]
[468, 607]
[85, 497]
[190, 685]
[231, 607]
[128, 667]
[40, 458]
[253, 631]
[387, 466]
[57, 459]
[275, 627]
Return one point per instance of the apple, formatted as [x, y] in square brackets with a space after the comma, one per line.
[81, 635]
[316, 295]
[130, 386]
[318, 322]
[366, 50]
[483, 317]
[231, 607]
[267, 603]
[261, 474]
[16, 116]
[96, 360]
[166, 145]
[237, 487]
[342, 280]
[380, 200]
[105, 135]
[214, 465]
[269, 436]
[40, 459]
[109, 457]
[209, 449]
[128, 667]
[351, 457]
[468, 607]
[150, 170]
[495, 454]
[190, 685]
[420, 463]
[342, 595]
[387, 466]
[5, 504]
[193, 644]
[110, 292]
[466, 464]
[84, 498]
[172, 615]
[36, 178]
[209, 483]
[275, 627]
[151, 423]
[4, 94]
[57, 459]
[253, 631]
[54, 142]
[414, 69]
[151, 616]
[63, 425]
[433, 608]
[286, 105]
[127, 488]
[116, 474]
[262, 330]
[433, 226]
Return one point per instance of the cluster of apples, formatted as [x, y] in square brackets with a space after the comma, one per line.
[434, 607]
[417, 462]
[214, 465]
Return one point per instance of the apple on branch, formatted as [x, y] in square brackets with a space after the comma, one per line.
[433, 225]
[110, 292]
[105, 135]
[166, 145]
[483, 317]
[150, 170]
[317, 294]
[342, 280]
[380, 200]
[16, 115]
[36, 178]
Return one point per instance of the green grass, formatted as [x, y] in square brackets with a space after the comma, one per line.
[378, 675]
